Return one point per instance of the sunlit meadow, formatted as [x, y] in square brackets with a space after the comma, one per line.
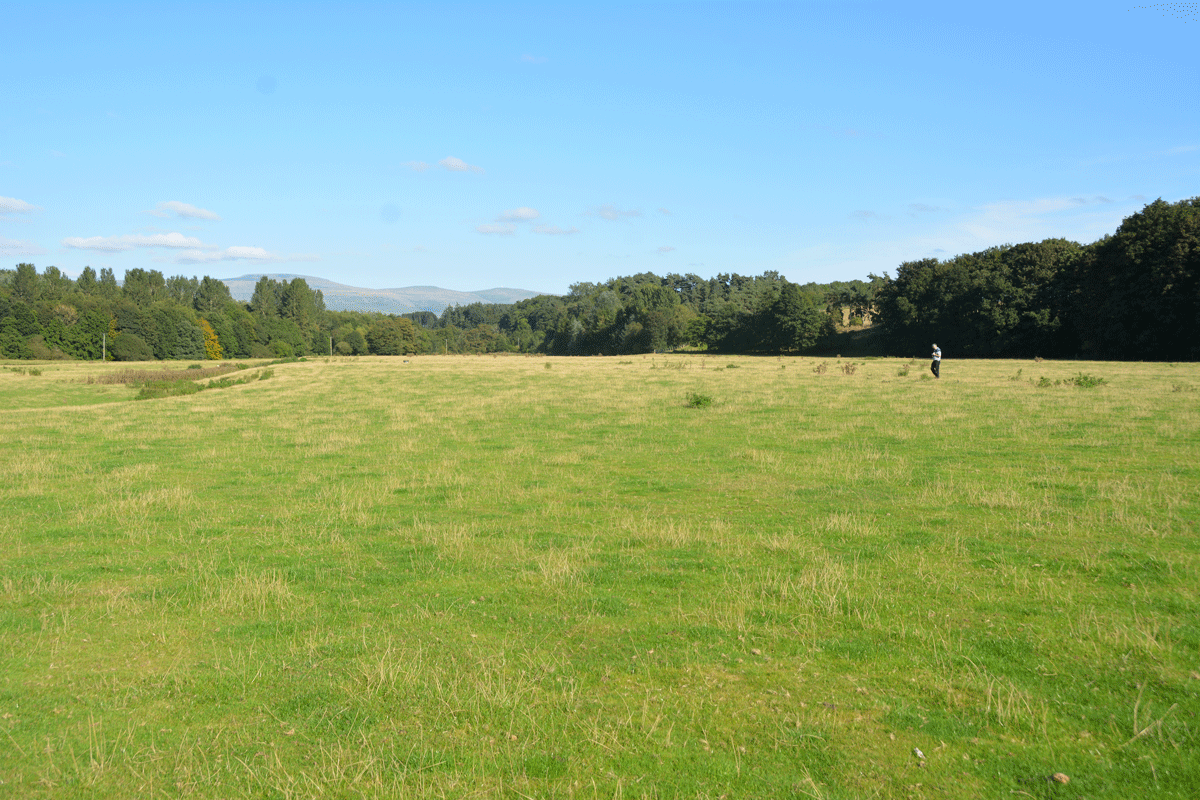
[665, 576]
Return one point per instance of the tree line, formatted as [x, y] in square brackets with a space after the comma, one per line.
[48, 315]
[1133, 294]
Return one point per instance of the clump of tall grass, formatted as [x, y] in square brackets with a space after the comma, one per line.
[153, 390]
[194, 372]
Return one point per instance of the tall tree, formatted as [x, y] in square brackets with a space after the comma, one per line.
[27, 283]
[1138, 295]
[211, 295]
[86, 282]
[108, 286]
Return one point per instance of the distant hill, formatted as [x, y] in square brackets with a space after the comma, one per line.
[339, 297]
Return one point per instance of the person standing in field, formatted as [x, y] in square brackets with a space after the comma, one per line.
[936, 366]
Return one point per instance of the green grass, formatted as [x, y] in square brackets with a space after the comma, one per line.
[463, 577]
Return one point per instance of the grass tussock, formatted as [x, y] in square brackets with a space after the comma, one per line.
[165, 374]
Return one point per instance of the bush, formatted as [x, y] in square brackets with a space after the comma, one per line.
[697, 400]
[130, 347]
[38, 350]
[1086, 381]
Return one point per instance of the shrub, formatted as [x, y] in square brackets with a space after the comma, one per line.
[1086, 381]
[697, 400]
[130, 347]
[903, 371]
[821, 368]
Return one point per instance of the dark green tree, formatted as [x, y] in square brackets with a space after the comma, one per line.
[86, 283]
[1137, 294]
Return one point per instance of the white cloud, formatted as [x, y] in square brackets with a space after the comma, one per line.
[554, 230]
[458, 165]
[185, 210]
[666, 212]
[522, 214]
[666, 248]
[502, 229]
[11, 205]
[19, 247]
[610, 212]
[1030, 220]
[416, 166]
[118, 244]
[255, 255]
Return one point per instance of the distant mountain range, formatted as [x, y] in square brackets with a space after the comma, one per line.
[339, 297]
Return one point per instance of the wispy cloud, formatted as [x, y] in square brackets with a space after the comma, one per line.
[256, 255]
[416, 166]
[610, 212]
[185, 210]
[1031, 220]
[497, 229]
[528, 59]
[867, 216]
[522, 214]
[666, 212]
[458, 165]
[11, 205]
[924, 208]
[554, 230]
[19, 247]
[119, 244]
[666, 248]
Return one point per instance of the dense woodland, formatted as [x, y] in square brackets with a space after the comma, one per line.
[1132, 295]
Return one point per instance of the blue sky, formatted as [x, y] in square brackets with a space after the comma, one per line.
[538, 145]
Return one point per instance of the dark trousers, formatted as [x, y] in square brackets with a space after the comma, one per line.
[935, 366]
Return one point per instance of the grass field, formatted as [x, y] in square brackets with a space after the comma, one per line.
[661, 576]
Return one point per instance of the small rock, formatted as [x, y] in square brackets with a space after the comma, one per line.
[917, 752]
[1058, 777]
